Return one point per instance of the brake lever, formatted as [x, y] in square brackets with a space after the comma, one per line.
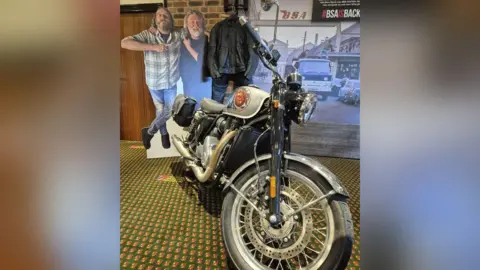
[263, 53]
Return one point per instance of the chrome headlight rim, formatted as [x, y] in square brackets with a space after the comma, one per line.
[307, 108]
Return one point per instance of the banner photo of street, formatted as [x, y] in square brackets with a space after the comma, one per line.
[326, 55]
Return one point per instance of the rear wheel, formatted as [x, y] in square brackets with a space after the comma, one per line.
[319, 237]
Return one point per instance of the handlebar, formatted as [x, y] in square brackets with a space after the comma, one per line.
[256, 37]
[262, 47]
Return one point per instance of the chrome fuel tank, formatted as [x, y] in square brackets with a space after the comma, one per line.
[246, 102]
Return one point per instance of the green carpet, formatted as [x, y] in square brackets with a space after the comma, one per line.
[168, 224]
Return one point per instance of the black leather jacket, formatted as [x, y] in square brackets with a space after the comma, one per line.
[230, 50]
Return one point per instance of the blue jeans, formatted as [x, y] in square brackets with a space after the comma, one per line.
[220, 85]
[197, 90]
[163, 100]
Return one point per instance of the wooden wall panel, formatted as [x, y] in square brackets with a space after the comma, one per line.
[327, 140]
[137, 109]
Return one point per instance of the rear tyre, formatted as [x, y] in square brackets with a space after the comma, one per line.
[246, 239]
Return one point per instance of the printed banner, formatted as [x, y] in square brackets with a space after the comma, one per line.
[336, 10]
[298, 10]
[328, 58]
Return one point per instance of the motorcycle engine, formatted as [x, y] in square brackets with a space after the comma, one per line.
[206, 148]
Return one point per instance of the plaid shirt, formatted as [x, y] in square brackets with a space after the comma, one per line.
[161, 69]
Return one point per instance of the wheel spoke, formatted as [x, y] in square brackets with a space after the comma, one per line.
[306, 256]
[279, 242]
[318, 240]
[320, 231]
[288, 264]
[270, 242]
[308, 227]
[295, 189]
[313, 250]
[299, 262]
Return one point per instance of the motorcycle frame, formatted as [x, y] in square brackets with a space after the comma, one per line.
[278, 147]
[280, 136]
[279, 125]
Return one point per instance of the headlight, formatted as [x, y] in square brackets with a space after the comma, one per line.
[300, 106]
[307, 108]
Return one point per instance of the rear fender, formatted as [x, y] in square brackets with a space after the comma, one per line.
[314, 165]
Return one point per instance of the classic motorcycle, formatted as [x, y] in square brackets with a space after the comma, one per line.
[280, 210]
[352, 96]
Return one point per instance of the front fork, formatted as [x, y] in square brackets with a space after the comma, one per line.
[279, 145]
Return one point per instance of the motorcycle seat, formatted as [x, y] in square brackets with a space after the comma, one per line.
[211, 106]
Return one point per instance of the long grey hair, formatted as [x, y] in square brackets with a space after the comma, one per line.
[170, 27]
[199, 14]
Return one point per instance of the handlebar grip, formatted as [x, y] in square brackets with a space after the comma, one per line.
[245, 23]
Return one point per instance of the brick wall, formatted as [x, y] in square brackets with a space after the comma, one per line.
[212, 10]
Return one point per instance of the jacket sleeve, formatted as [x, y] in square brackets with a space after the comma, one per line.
[205, 71]
[211, 54]
[252, 58]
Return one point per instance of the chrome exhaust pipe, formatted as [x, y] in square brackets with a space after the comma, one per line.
[184, 152]
[201, 174]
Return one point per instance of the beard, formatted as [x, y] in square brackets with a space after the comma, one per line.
[163, 25]
[195, 32]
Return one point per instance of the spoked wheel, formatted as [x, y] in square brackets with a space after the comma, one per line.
[319, 237]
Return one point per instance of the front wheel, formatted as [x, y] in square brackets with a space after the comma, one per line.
[319, 237]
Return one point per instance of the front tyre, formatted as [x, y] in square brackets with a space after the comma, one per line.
[319, 237]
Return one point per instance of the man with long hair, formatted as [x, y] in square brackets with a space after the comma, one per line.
[193, 65]
[162, 57]
[193, 69]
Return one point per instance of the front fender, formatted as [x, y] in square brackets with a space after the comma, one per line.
[316, 166]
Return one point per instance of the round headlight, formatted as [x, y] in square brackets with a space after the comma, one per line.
[307, 108]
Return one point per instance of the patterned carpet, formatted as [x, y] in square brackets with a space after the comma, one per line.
[168, 224]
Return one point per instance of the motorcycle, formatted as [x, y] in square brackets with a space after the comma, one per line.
[280, 210]
[336, 88]
[352, 96]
